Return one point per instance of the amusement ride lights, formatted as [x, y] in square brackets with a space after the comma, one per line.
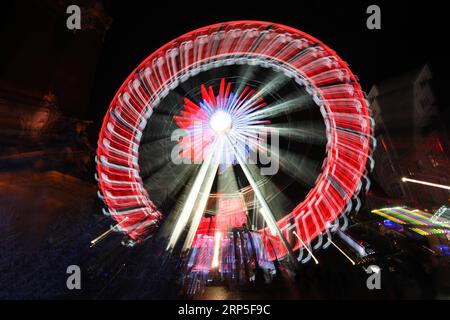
[235, 118]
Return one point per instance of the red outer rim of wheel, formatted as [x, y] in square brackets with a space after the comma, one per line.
[349, 133]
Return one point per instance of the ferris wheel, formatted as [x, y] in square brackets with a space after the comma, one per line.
[243, 105]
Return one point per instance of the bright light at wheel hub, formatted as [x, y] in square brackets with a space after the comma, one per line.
[220, 122]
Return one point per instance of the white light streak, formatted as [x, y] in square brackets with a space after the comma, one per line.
[426, 183]
[106, 233]
[266, 212]
[215, 260]
[202, 201]
[340, 250]
[306, 247]
[190, 202]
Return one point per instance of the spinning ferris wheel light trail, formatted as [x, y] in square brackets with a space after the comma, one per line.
[215, 260]
[190, 202]
[266, 212]
[202, 200]
[103, 235]
[236, 90]
[306, 247]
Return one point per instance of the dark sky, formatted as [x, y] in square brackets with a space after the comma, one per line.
[411, 33]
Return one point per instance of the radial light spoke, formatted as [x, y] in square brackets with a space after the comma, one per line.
[190, 201]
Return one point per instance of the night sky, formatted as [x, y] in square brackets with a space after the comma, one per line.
[411, 34]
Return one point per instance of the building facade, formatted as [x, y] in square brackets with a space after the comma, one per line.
[412, 139]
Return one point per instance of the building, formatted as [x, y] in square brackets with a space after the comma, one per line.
[412, 139]
[47, 73]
